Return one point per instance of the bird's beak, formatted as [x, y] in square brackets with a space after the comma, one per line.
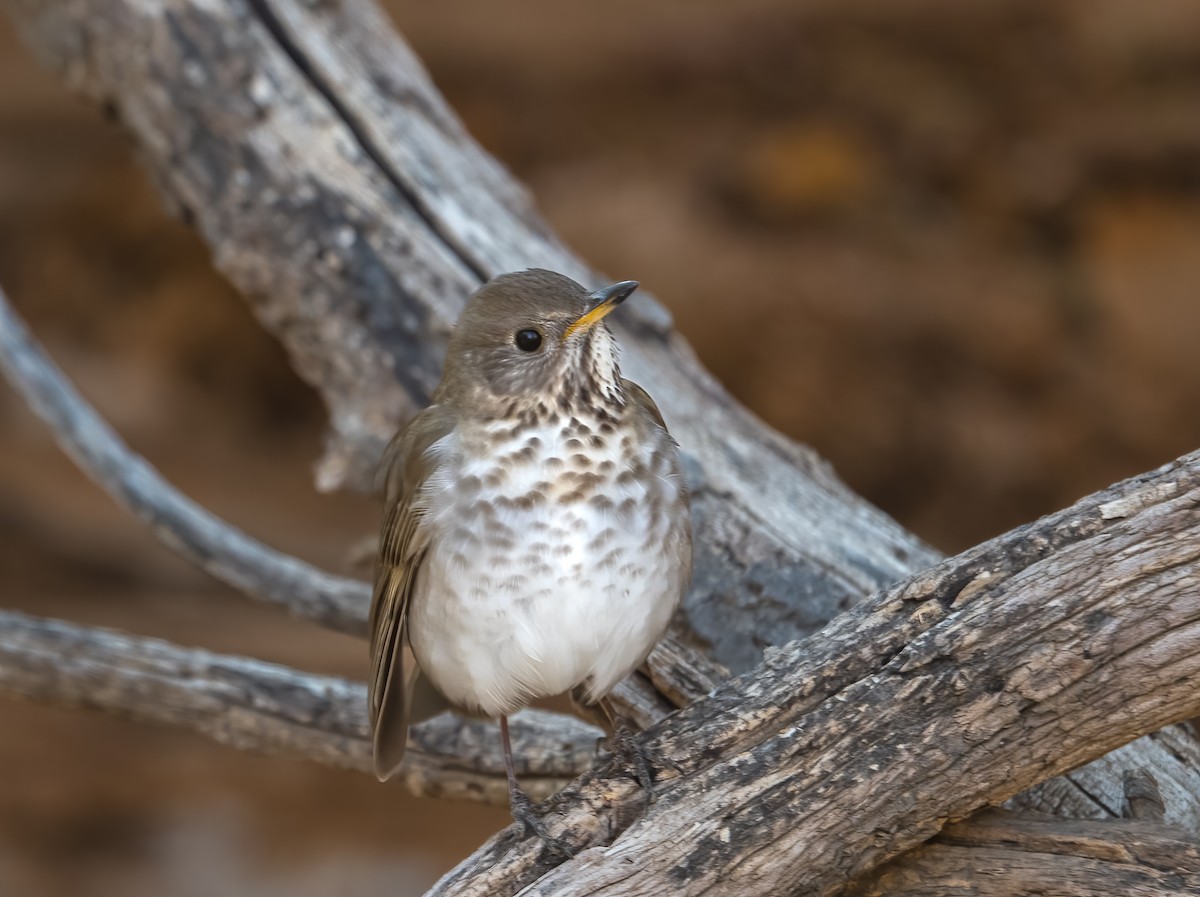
[604, 300]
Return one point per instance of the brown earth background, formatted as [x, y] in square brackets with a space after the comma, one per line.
[954, 247]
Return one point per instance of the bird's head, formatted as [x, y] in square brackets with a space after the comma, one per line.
[536, 337]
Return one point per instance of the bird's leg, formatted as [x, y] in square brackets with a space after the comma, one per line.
[515, 794]
[521, 806]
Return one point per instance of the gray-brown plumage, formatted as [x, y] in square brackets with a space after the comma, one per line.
[536, 535]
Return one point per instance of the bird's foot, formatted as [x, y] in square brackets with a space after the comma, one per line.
[525, 812]
[629, 753]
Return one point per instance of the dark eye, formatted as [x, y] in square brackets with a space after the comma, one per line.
[528, 340]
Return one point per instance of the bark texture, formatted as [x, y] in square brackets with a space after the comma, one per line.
[252, 705]
[1002, 855]
[956, 689]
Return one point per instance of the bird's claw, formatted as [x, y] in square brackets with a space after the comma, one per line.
[627, 751]
[525, 813]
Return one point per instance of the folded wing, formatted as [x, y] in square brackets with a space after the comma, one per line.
[409, 461]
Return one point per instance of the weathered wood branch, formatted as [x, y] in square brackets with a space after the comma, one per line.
[1096, 791]
[1015, 661]
[997, 854]
[209, 542]
[1143, 799]
[267, 708]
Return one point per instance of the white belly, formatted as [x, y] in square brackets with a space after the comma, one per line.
[522, 597]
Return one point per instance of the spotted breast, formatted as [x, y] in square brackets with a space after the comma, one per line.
[558, 553]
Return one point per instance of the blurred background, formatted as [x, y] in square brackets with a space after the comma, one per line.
[954, 247]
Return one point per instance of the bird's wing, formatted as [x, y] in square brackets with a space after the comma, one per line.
[651, 419]
[409, 461]
[642, 401]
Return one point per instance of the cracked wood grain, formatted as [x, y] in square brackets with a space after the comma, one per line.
[954, 690]
[1096, 791]
[997, 854]
[263, 707]
[1143, 799]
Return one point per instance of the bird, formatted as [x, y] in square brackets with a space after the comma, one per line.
[536, 536]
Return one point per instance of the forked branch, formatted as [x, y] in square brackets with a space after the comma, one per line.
[200, 536]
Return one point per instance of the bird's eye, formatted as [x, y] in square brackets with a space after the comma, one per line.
[528, 340]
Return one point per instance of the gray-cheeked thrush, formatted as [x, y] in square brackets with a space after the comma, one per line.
[536, 535]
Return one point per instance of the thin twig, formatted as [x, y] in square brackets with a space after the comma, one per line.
[252, 705]
[203, 538]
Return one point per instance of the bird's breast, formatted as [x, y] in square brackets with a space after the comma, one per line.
[556, 557]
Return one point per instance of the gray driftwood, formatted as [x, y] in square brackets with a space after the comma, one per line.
[946, 693]
[1002, 855]
[342, 196]
[252, 705]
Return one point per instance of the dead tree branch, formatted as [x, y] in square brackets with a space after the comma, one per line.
[267, 708]
[222, 550]
[1015, 661]
[1097, 790]
[1143, 800]
[998, 854]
